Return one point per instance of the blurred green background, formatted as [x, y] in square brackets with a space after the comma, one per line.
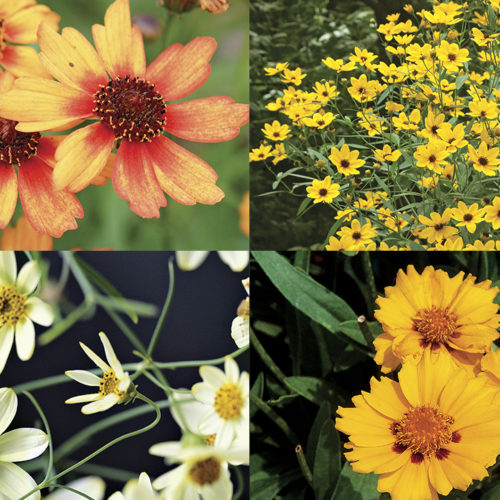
[108, 221]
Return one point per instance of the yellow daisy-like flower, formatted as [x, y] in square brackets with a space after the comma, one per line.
[319, 120]
[271, 71]
[433, 124]
[452, 243]
[468, 216]
[115, 386]
[276, 131]
[435, 430]
[386, 154]
[431, 311]
[363, 58]
[325, 91]
[437, 229]
[260, 153]
[356, 236]
[431, 155]
[278, 153]
[334, 245]
[451, 55]
[483, 108]
[484, 159]
[488, 246]
[323, 191]
[338, 64]
[492, 213]
[345, 160]
[454, 137]
[362, 89]
[293, 76]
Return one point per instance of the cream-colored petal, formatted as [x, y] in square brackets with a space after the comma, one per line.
[204, 393]
[39, 312]
[101, 404]
[236, 260]
[84, 398]
[167, 449]
[84, 377]
[22, 444]
[8, 268]
[95, 358]
[15, 482]
[28, 277]
[8, 407]
[25, 339]
[232, 370]
[92, 486]
[111, 356]
[6, 341]
[213, 376]
[188, 261]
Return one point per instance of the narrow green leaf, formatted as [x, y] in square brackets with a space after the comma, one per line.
[315, 390]
[326, 461]
[324, 412]
[352, 330]
[355, 485]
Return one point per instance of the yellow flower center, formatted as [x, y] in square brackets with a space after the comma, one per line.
[205, 471]
[132, 108]
[424, 430]
[228, 401]
[16, 146]
[109, 384]
[12, 305]
[210, 439]
[436, 325]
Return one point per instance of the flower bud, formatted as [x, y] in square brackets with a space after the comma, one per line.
[214, 6]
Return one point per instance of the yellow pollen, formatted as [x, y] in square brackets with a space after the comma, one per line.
[205, 471]
[228, 402]
[424, 430]
[436, 325]
[109, 384]
[210, 439]
[12, 305]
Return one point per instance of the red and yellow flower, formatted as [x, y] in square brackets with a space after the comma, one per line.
[129, 101]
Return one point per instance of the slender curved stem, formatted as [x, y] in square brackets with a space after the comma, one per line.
[76, 492]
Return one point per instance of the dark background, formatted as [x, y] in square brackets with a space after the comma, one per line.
[198, 327]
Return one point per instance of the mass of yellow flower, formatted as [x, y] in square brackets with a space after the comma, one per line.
[419, 123]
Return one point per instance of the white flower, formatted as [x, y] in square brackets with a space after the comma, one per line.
[225, 395]
[17, 446]
[136, 489]
[240, 327]
[114, 386]
[92, 486]
[203, 471]
[190, 260]
[18, 308]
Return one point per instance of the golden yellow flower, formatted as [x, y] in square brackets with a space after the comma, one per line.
[433, 312]
[435, 430]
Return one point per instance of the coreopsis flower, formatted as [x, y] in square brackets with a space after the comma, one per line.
[24, 237]
[20, 307]
[203, 471]
[276, 131]
[17, 445]
[468, 216]
[323, 191]
[363, 58]
[226, 396]
[271, 71]
[115, 386]
[346, 161]
[484, 159]
[437, 226]
[482, 108]
[260, 153]
[432, 155]
[492, 213]
[132, 106]
[356, 236]
[92, 486]
[278, 152]
[386, 154]
[433, 312]
[48, 211]
[137, 489]
[435, 430]
[19, 21]
[334, 245]
[338, 64]
[451, 55]
[237, 260]
[240, 327]
[454, 137]
[319, 120]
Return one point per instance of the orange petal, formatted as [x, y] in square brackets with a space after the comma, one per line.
[48, 211]
[46, 149]
[178, 71]
[8, 7]
[134, 180]
[213, 119]
[8, 193]
[24, 237]
[82, 156]
[23, 61]
[184, 176]
[119, 44]
[106, 173]
[44, 105]
[71, 59]
[21, 27]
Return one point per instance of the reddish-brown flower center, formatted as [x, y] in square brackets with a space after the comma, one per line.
[323, 192]
[205, 471]
[468, 217]
[424, 430]
[16, 146]
[132, 108]
[482, 161]
[344, 163]
[436, 325]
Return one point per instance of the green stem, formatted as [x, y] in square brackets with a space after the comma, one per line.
[370, 278]
[239, 480]
[266, 358]
[365, 330]
[166, 307]
[304, 467]
[76, 492]
[47, 429]
[216, 361]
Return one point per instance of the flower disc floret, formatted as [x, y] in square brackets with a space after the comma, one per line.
[12, 305]
[132, 108]
[16, 146]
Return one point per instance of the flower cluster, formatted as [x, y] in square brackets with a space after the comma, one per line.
[438, 428]
[402, 146]
[126, 106]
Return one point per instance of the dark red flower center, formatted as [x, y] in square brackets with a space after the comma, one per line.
[132, 108]
[344, 163]
[16, 146]
[482, 161]
[356, 235]
[468, 217]
[323, 192]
